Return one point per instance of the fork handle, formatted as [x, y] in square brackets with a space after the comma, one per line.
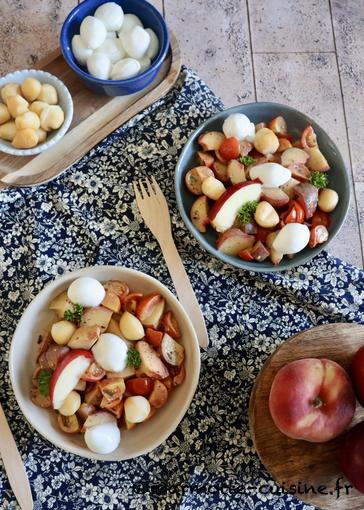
[184, 290]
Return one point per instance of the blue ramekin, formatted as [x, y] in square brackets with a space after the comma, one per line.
[150, 18]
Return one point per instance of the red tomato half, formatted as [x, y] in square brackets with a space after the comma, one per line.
[320, 218]
[154, 337]
[93, 373]
[140, 386]
[230, 148]
[295, 213]
[246, 254]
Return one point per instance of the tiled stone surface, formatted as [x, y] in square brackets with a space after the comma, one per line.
[310, 83]
[214, 39]
[29, 30]
[348, 18]
[279, 26]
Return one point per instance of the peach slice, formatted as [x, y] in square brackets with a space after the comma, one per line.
[150, 309]
[236, 171]
[119, 288]
[97, 316]
[159, 395]
[112, 389]
[275, 196]
[200, 213]
[284, 144]
[84, 337]
[205, 159]
[274, 255]
[60, 304]
[151, 364]
[220, 170]
[113, 327]
[294, 155]
[300, 172]
[317, 161]
[211, 140]
[234, 240]
[111, 301]
[278, 125]
[195, 177]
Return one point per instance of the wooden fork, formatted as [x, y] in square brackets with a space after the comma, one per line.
[154, 209]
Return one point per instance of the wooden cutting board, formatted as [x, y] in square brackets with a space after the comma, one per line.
[305, 465]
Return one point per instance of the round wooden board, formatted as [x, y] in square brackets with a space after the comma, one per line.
[299, 463]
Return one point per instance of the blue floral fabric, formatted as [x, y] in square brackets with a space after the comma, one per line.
[88, 216]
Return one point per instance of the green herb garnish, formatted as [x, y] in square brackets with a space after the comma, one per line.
[246, 212]
[133, 358]
[319, 179]
[246, 160]
[74, 315]
[44, 379]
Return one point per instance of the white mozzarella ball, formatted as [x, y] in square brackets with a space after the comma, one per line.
[136, 409]
[110, 352]
[104, 438]
[110, 35]
[144, 63]
[86, 291]
[292, 238]
[113, 49]
[99, 65]
[239, 126]
[111, 14]
[124, 69]
[130, 21]
[272, 175]
[153, 47]
[93, 32]
[135, 42]
[80, 50]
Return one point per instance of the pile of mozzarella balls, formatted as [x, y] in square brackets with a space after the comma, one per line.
[113, 45]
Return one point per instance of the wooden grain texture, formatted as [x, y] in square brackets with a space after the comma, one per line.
[291, 461]
[95, 116]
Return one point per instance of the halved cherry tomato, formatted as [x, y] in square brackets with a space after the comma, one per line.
[154, 337]
[320, 218]
[170, 325]
[295, 213]
[262, 234]
[246, 254]
[129, 303]
[93, 373]
[140, 386]
[230, 148]
[318, 235]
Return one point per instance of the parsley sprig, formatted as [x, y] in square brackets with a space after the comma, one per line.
[246, 160]
[246, 212]
[44, 379]
[74, 315]
[133, 358]
[319, 179]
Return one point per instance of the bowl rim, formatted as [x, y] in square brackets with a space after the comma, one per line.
[235, 261]
[193, 383]
[129, 81]
[68, 114]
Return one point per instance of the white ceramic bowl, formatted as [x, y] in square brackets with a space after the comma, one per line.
[64, 100]
[22, 360]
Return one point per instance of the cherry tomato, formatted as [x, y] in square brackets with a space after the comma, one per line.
[320, 218]
[318, 235]
[246, 254]
[140, 386]
[130, 302]
[170, 325]
[351, 456]
[93, 373]
[230, 148]
[357, 371]
[154, 337]
[295, 213]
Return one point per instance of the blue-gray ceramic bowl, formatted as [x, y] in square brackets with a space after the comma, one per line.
[150, 18]
[296, 121]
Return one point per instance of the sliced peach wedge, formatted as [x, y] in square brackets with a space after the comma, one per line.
[150, 309]
[233, 241]
[200, 213]
[84, 337]
[97, 316]
[317, 161]
[211, 140]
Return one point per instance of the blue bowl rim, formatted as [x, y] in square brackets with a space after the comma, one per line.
[256, 267]
[129, 81]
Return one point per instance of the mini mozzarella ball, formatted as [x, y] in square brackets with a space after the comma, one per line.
[4, 113]
[71, 404]
[271, 175]
[38, 106]
[136, 409]
[62, 331]
[130, 21]
[103, 438]
[239, 126]
[25, 139]
[10, 89]
[99, 65]
[292, 238]
[144, 63]
[80, 50]
[153, 47]
[8, 131]
[212, 187]
[135, 42]
[30, 88]
[48, 94]
[111, 15]
[131, 328]
[51, 117]
[27, 120]
[42, 135]
[328, 200]
[93, 32]
[266, 141]
[86, 291]
[110, 352]
[124, 69]
[265, 215]
[17, 105]
[113, 49]
[110, 35]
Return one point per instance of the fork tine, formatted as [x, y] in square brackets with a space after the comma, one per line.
[137, 193]
[150, 189]
[156, 186]
[143, 190]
